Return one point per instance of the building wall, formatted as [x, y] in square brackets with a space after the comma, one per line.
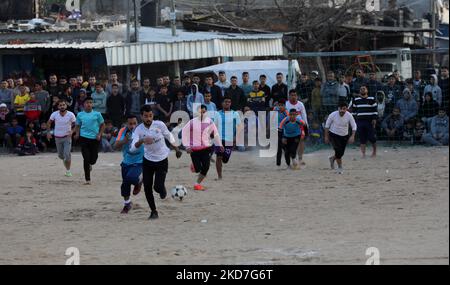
[14, 9]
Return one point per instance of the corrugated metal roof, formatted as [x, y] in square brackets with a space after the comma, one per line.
[86, 45]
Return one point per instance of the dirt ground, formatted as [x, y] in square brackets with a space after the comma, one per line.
[259, 214]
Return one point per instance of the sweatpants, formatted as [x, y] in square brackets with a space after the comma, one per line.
[130, 176]
[201, 160]
[339, 144]
[280, 149]
[154, 174]
[291, 148]
[89, 150]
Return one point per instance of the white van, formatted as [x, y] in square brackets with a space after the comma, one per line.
[388, 63]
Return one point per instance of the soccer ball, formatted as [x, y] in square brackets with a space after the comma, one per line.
[179, 192]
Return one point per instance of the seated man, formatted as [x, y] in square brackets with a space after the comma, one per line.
[438, 134]
[13, 134]
[393, 125]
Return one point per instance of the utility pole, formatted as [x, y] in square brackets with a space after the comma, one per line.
[128, 38]
[173, 18]
[433, 24]
[136, 22]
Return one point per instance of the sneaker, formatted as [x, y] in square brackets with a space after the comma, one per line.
[153, 216]
[332, 160]
[68, 174]
[340, 170]
[199, 187]
[137, 188]
[126, 208]
[87, 183]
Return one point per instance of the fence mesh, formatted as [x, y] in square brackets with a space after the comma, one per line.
[414, 120]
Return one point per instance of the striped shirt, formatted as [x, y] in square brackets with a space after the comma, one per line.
[364, 108]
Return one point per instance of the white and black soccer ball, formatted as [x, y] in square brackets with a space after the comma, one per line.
[178, 192]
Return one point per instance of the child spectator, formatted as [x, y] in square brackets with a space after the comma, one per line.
[282, 113]
[32, 109]
[429, 109]
[315, 134]
[109, 136]
[211, 106]
[19, 104]
[27, 144]
[13, 134]
[42, 140]
[256, 99]
[79, 106]
[55, 103]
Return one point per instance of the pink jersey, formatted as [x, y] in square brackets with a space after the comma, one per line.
[196, 135]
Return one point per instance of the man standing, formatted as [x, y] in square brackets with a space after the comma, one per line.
[330, 94]
[443, 84]
[336, 132]
[64, 124]
[246, 86]
[114, 81]
[266, 89]
[359, 81]
[216, 93]
[237, 95]
[373, 84]
[99, 97]
[6, 95]
[151, 134]
[133, 99]
[53, 88]
[131, 163]
[195, 97]
[365, 109]
[304, 90]
[89, 128]
[223, 83]
[279, 90]
[115, 107]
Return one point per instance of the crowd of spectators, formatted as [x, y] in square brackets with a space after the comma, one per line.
[413, 110]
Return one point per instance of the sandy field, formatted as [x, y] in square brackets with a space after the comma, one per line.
[259, 214]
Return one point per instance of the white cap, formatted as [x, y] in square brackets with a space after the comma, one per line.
[3, 105]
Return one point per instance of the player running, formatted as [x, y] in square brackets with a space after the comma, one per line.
[89, 129]
[196, 136]
[294, 103]
[227, 122]
[336, 132]
[293, 131]
[131, 164]
[151, 134]
[64, 121]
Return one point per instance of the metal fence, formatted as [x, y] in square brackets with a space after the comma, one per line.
[381, 63]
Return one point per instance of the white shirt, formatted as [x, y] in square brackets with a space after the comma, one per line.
[339, 125]
[63, 124]
[300, 109]
[157, 151]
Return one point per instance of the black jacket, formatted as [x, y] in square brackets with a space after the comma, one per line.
[115, 105]
[238, 99]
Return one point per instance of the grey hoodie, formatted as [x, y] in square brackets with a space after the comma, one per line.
[408, 107]
[435, 90]
[330, 93]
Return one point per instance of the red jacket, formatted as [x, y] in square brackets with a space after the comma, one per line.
[32, 110]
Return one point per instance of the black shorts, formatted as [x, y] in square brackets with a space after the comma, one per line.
[339, 144]
[366, 132]
[226, 154]
[201, 160]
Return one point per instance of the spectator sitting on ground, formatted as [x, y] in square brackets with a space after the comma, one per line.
[393, 125]
[419, 132]
[27, 144]
[438, 134]
[408, 133]
[13, 134]
[407, 105]
[109, 137]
